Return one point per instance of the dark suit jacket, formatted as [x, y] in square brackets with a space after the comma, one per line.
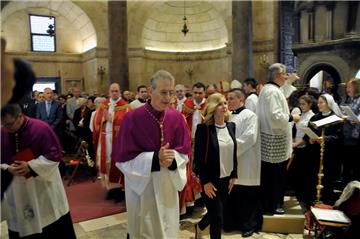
[209, 169]
[82, 132]
[56, 114]
[29, 108]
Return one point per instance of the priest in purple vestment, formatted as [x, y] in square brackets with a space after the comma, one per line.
[152, 151]
[35, 202]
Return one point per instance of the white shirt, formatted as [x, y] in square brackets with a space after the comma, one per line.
[180, 103]
[91, 126]
[152, 198]
[303, 123]
[251, 102]
[287, 89]
[197, 118]
[112, 105]
[226, 150]
[34, 203]
[273, 113]
[136, 104]
[248, 148]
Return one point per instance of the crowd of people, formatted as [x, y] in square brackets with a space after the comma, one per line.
[171, 148]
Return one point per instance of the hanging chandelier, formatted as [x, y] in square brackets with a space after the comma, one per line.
[51, 27]
[185, 29]
[51, 30]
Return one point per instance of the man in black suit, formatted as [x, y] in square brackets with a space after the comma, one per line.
[50, 111]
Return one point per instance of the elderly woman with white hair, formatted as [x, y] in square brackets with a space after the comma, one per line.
[97, 102]
[79, 116]
[333, 140]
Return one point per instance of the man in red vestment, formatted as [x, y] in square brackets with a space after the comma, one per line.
[193, 110]
[106, 125]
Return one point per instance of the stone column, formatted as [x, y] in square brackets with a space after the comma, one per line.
[118, 55]
[311, 26]
[242, 40]
[351, 18]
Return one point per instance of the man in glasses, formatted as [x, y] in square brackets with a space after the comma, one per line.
[152, 150]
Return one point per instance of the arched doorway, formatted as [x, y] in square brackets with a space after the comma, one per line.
[330, 79]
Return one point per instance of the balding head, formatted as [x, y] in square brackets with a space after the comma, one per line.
[180, 91]
[114, 91]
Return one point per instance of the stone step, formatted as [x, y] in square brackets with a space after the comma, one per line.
[291, 222]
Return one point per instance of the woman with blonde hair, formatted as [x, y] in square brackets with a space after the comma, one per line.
[216, 163]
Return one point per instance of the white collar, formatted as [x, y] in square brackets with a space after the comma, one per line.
[181, 101]
[326, 113]
[114, 101]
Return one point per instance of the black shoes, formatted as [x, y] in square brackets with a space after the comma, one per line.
[247, 233]
[115, 194]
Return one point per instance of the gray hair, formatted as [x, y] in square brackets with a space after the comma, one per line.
[179, 86]
[238, 92]
[48, 89]
[99, 100]
[161, 75]
[274, 69]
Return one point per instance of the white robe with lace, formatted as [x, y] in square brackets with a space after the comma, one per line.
[152, 197]
[31, 204]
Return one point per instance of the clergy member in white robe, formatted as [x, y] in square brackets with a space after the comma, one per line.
[35, 202]
[243, 208]
[276, 139]
[152, 151]
[250, 90]
[142, 96]
[179, 97]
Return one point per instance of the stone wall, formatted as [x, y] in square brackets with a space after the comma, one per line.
[187, 68]
[81, 24]
[336, 43]
[265, 36]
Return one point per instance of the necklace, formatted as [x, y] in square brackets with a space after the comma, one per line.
[223, 126]
[161, 124]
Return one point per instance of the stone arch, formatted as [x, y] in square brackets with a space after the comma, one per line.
[324, 61]
[330, 71]
[67, 9]
[322, 67]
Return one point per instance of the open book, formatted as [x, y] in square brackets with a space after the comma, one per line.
[310, 133]
[350, 113]
[333, 119]
[330, 215]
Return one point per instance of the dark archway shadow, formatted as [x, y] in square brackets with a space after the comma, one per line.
[330, 73]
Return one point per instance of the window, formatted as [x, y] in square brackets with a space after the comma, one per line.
[41, 40]
[40, 86]
[358, 74]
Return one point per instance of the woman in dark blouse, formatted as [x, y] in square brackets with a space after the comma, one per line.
[215, 160]
[351, 132]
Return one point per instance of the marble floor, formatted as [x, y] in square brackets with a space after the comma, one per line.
[114, 226]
